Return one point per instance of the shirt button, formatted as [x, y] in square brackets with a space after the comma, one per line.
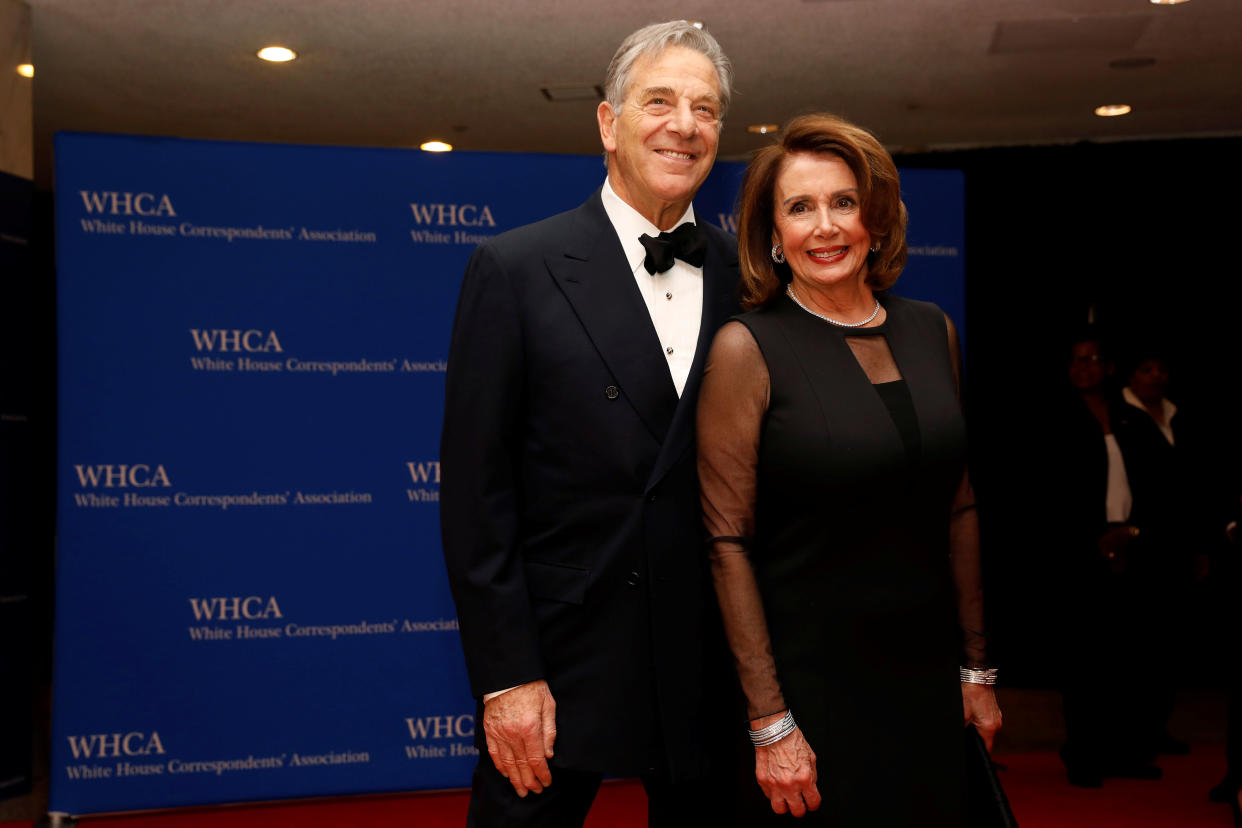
[669, 350]
[633, 579]
[612, 392]
[668, 295]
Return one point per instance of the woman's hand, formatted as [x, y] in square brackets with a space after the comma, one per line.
[786, 773]
[979, 708]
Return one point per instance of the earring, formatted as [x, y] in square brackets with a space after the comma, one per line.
[875, 249]
[777, 255]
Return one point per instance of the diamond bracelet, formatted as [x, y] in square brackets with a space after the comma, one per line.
[974, 675]
[774, 732]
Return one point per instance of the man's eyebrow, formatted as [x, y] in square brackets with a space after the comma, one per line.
[657, 92]
[668, 92]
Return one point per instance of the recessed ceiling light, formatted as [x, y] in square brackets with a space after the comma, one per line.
[435, 146]
[1166, 2]
[1112, 110]
[26, 70]
[763, 129]
[277, 54]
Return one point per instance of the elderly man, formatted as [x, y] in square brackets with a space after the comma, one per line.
[570, 509]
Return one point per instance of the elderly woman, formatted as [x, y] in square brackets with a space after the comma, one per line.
[844, 541]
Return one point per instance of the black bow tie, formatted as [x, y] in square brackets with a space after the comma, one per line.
[685, 243]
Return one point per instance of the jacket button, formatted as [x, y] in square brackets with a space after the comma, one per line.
[651, 498]
[633, 579]
[612, 392]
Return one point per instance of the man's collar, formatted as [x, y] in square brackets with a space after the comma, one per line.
[630, 224]
[1169, 408]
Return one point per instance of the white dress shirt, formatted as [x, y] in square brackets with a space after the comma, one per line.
[674, 298]
[1117, 498]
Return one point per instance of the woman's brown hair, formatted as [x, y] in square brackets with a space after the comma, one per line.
[879, 192]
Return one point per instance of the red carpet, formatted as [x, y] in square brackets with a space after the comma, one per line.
[620, 803]
[1035, 783]
[1041, 798]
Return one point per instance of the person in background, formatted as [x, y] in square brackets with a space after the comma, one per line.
[1127, 537]
[1174, 491]
[1093, 436]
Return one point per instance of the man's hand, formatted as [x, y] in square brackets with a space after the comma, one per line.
[520, 726]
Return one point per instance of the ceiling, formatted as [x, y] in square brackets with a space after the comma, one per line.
[921, 74]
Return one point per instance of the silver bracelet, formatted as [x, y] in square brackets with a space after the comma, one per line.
[974, 675]
[774, 732]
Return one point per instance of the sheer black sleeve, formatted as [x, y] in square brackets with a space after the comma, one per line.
[964, 548]
[732, 404]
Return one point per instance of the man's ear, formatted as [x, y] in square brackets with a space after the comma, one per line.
[607, 120]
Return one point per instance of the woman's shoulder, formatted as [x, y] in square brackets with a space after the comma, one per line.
[904, 311]
[754, 325]
[760, 315]
[736, 352]
[916, 307]
[735, 334]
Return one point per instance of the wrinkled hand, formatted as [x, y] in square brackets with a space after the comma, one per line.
[786, 773]
[520, 727]
[979, 708]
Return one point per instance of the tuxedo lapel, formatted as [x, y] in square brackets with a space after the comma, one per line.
[720, 301]
[595, 279]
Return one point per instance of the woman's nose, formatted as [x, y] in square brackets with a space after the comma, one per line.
[824, 225]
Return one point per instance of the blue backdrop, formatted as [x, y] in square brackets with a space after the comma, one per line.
[251, 600]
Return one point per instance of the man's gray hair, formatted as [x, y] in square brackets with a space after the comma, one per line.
[651, 41]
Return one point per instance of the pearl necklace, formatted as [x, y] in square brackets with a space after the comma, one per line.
[789, 292]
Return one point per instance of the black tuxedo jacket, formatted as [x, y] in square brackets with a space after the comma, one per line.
[569, 496]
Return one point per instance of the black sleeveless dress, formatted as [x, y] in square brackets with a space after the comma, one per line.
[854, 487]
